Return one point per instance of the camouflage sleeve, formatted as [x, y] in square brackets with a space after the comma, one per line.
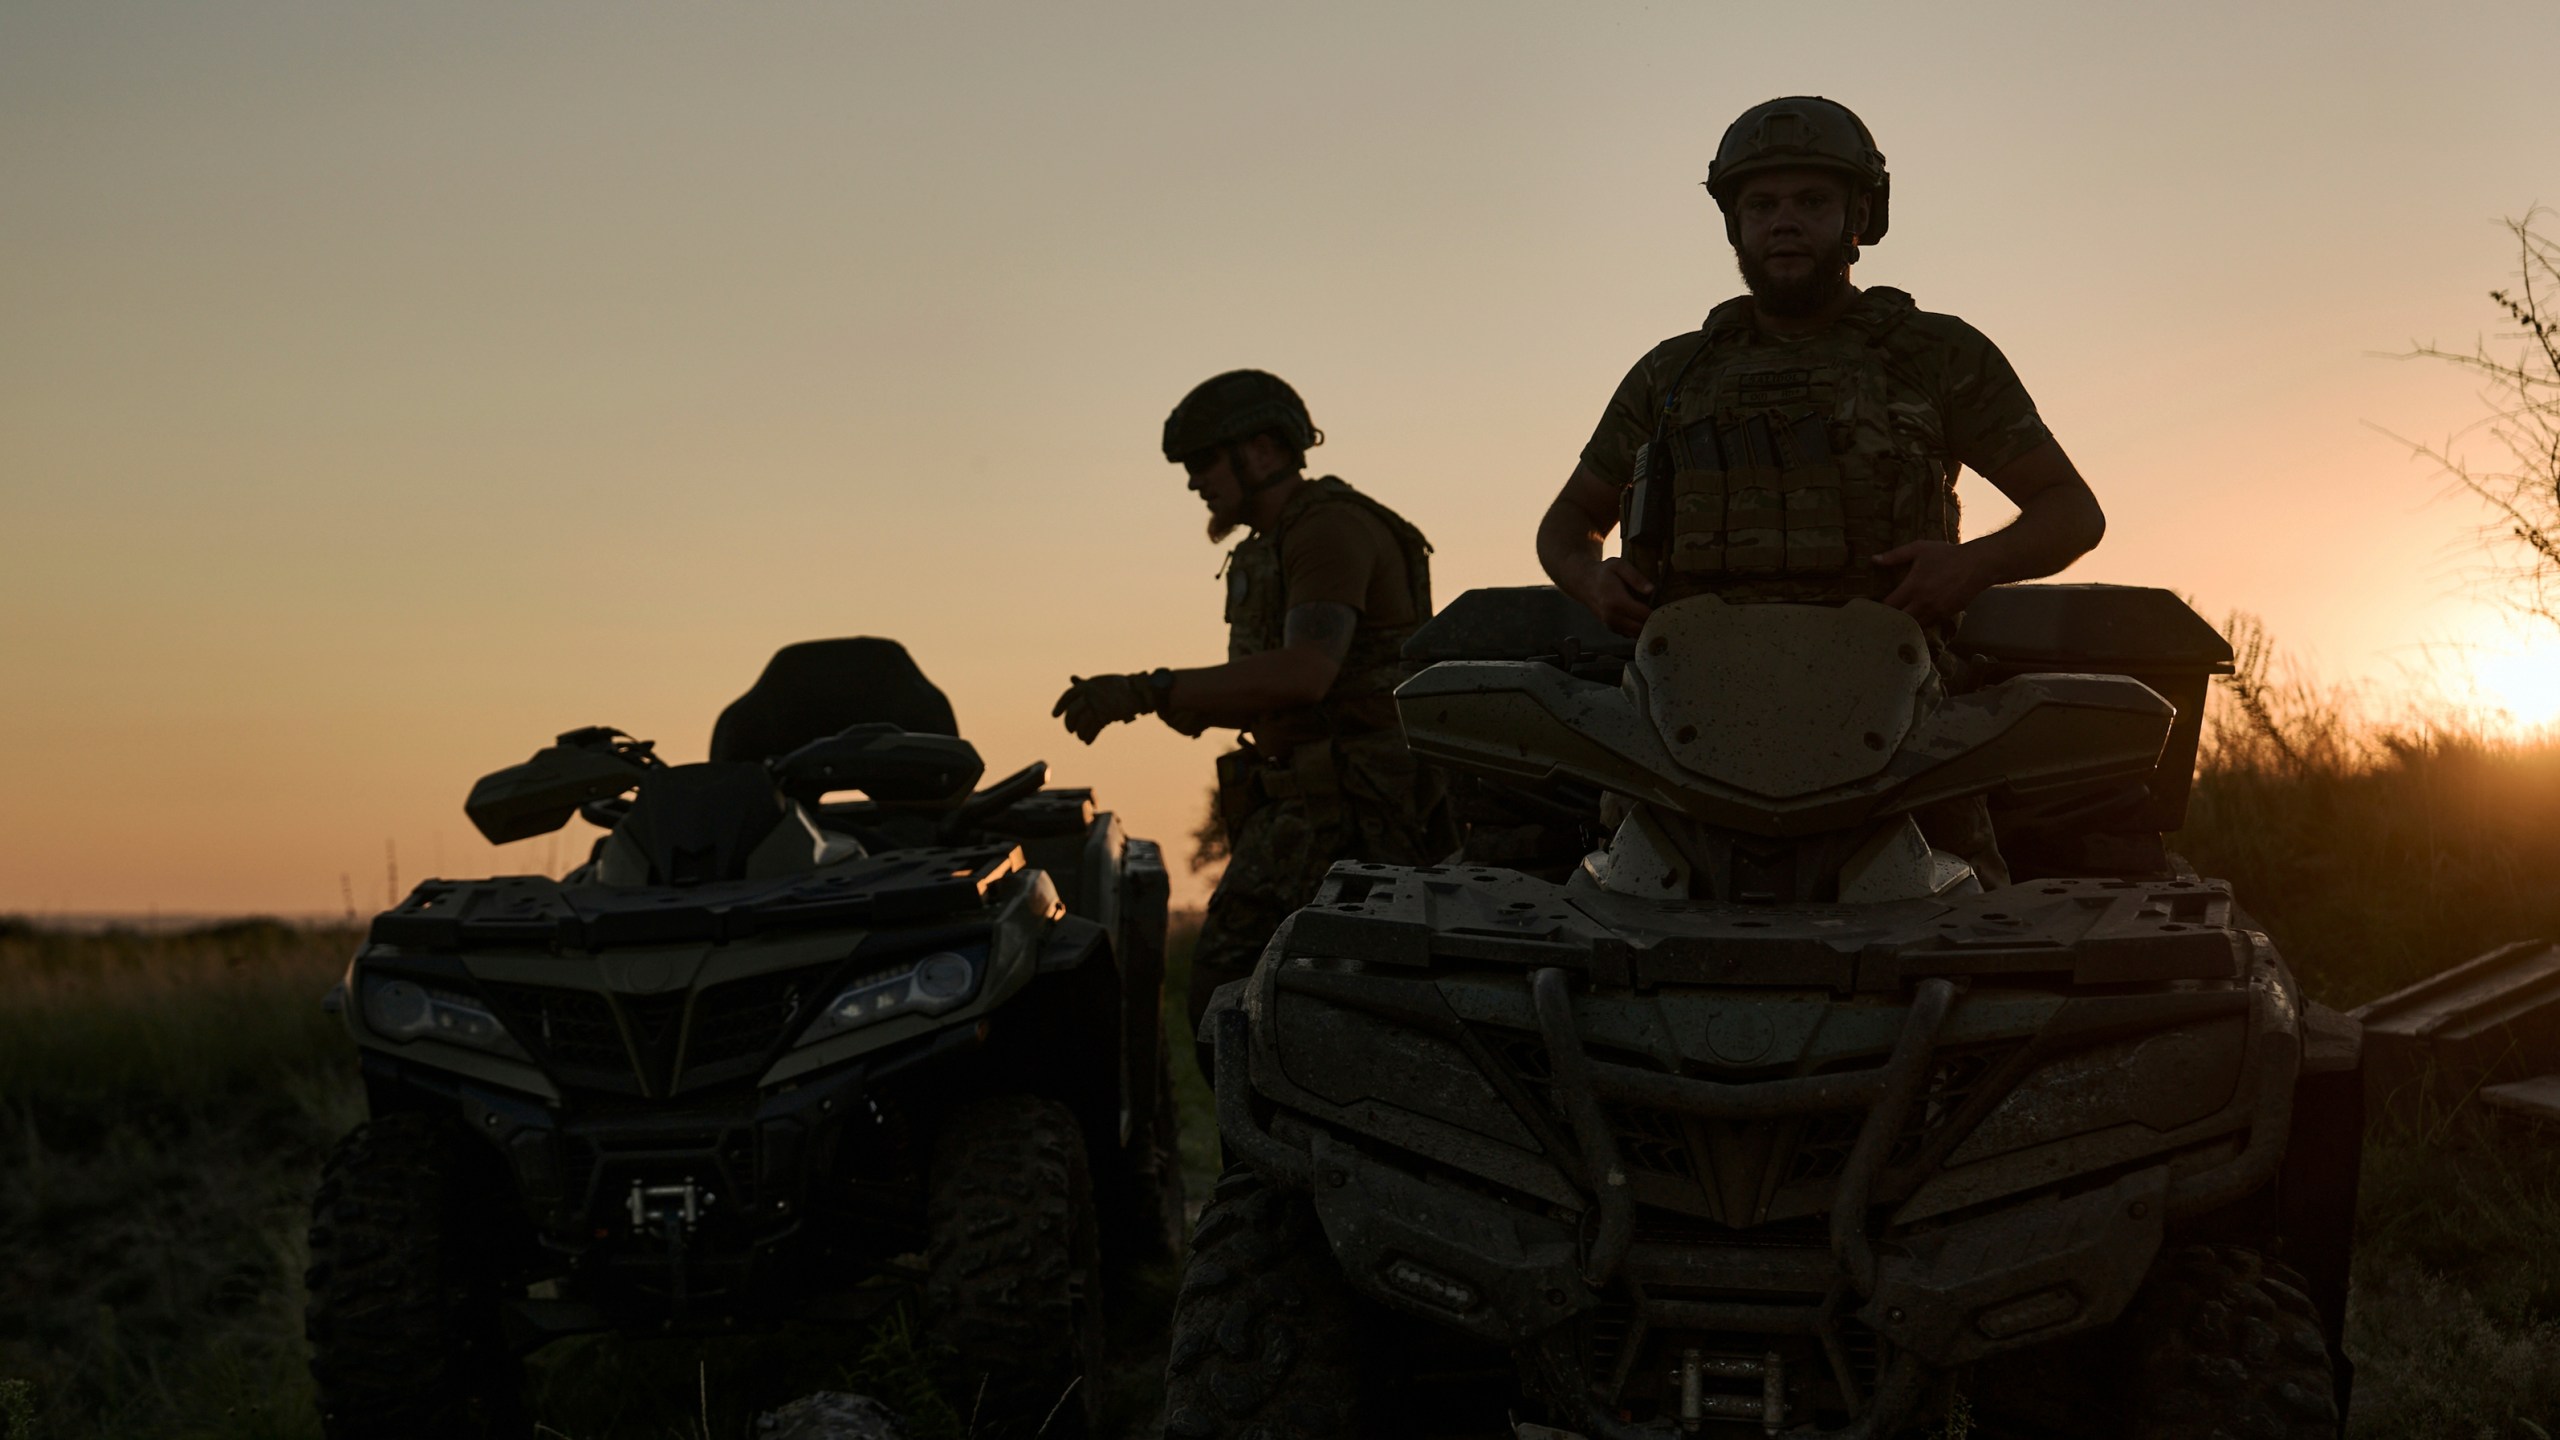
[1989, 418]
[1629, 420]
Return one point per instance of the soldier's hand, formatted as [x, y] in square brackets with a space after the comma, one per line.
[1942, 580]
[1090, 705]
[1617, 593]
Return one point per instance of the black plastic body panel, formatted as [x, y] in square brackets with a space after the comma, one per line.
[2143, 633]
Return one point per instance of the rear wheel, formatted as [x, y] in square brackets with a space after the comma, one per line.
[1265, 1329]
[407, 1267]
[1015, 1260]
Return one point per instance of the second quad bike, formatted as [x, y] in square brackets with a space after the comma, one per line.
[1769, 1118]
[817, 1020]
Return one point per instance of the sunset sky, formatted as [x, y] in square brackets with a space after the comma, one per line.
[385, 388]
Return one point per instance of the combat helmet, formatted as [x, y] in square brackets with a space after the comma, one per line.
[1800, 130]
[1238, 405]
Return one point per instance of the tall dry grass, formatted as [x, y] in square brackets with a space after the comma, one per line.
[163, 1102]
[2376, 850]
[124, 1020]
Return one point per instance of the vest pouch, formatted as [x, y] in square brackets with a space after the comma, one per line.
[1641, 518]
[1238, 794]
[1698, 495]
[1817, 540]
[1755, 508]
[1255, 616]
[1813, 465]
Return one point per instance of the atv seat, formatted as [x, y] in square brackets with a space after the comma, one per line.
[819, 688]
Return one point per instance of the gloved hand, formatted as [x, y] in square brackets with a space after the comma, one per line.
[1091, 704]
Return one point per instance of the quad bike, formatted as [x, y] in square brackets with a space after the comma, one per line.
[778, 1052]
[1770, 1119]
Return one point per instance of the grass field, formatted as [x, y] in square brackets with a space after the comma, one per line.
[164, 1103]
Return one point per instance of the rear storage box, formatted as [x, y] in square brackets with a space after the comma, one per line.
[2148, 634]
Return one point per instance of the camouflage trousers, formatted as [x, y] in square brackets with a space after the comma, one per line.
[1288, 821]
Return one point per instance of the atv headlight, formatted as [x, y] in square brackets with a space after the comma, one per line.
[405, 1010]
[928, 985]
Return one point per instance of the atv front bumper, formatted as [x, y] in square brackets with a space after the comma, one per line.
[700, 1217]
[1627, 1310]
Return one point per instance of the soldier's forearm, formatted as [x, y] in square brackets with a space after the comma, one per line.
[1568, 546]
[1577, 522]
[2055, 526]
[1241, 692]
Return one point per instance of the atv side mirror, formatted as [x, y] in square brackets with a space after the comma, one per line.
[538, 796]
[884, 762]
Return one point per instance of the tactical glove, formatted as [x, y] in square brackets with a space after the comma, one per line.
[1091, 704]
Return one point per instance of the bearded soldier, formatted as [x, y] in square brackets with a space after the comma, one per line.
[1803, 443]
[1320, 599]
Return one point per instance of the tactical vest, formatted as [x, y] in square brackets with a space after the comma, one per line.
[1258, 612]
[1779, 469]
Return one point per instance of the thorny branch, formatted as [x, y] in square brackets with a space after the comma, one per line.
[2523, 397]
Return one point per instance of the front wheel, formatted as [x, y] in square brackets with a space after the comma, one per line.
[403, 1291]
[1014, 1285]
[1265, 1328]
[2223, 1341]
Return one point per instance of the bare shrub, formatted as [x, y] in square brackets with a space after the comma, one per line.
[2522, 394]
[1209, 838]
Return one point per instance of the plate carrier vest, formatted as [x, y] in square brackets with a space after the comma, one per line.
[1779, 469]
[1258, 612]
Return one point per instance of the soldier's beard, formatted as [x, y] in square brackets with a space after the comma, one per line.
[1794, 298]
[1220, 527]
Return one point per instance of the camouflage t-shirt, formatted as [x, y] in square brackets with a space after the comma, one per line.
[1950, 385]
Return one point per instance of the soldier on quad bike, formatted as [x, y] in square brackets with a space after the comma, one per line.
[1320, 600]
[1803, 443]
[1783, 1111]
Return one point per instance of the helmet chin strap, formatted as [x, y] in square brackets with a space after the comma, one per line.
[1234, 451]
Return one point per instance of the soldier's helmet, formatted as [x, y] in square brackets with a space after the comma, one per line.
[1237, 406]
[1800, 130]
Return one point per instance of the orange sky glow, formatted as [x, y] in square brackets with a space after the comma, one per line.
[384, 389]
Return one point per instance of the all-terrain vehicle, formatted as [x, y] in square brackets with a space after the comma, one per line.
[816, 1024]
[1770, 1119]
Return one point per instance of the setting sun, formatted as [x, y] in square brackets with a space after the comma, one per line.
[2518, 679]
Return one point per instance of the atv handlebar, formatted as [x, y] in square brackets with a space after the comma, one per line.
[996, 799]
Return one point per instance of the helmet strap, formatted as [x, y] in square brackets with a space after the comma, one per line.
[1235, 463]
